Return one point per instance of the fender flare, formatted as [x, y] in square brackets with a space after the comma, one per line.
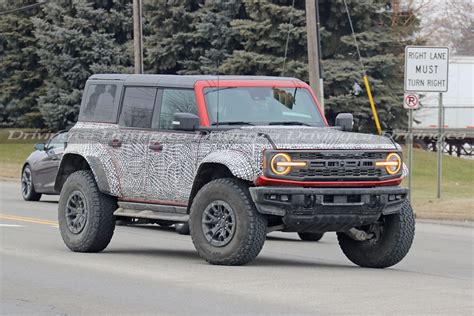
[237, 162]
[82, 162]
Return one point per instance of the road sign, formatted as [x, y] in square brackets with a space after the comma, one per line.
[426, 69]
[411, 101]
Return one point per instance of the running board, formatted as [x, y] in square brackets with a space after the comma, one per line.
[152, 211]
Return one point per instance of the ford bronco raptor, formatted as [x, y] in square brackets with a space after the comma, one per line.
[235, 156]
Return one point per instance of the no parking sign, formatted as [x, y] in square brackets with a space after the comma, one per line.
[411, 101]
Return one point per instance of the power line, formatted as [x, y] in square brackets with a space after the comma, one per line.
[354, 37]
[26, 7]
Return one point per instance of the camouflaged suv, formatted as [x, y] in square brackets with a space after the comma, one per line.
[236, 158]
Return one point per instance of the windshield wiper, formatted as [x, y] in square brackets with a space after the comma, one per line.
[233, 123]
[289, 123]
[218, 89]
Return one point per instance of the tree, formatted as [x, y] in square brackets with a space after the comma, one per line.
[20, 72]
[212, 38]
[381, 39]
[166, 40]
[447, 23]
[263, 33]
[264, 30]
[77, 39]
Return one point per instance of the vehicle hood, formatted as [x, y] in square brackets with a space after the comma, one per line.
[306, 137]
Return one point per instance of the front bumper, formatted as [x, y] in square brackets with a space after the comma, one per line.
[327, 209]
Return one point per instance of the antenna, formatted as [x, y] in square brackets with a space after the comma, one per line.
[217, 107]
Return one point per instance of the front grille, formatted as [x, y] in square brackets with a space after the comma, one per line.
[338, 166]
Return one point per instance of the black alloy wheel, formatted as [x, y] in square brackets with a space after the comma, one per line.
[76, 212]
[218, 223]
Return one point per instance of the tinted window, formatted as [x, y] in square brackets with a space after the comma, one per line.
[100, 103]
[57, 141]
[137, 107]
[174, 101]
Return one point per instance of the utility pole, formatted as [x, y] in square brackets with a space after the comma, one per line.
[137, 36]
[312, 29]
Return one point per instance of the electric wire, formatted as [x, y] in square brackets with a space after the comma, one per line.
[354, 37]
[288, 39]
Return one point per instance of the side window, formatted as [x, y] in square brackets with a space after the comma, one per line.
[174, 101]
[100, 103]
[137, 107]
[57, 141]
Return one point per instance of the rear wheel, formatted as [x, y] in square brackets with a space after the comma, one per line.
[388, 241]
[226, 228]
[311, 236]
[27, 188]
[86, 219]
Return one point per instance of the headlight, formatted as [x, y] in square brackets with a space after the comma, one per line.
[281, 164]
[392, 163]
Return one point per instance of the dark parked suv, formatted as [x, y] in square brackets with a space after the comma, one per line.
[237, 157]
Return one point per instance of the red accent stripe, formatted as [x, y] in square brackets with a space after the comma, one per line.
[264, 181]
[164, 202]
[202, 84]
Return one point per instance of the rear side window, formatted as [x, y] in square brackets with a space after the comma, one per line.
[137, 107]
[174, 101]
[100, 103]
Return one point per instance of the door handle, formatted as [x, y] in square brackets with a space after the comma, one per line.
[156, 146]
[115, 143]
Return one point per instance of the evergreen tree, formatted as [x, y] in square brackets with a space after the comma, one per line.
[212, 39]
[167, 44]
[381, 43]
[20, 72]
[77, 39]
[263, 32]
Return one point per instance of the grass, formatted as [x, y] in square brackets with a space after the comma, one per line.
[15, 146]
[457, 189]
[457, 200]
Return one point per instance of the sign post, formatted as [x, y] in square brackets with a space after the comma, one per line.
[410, 102]
[426, 70]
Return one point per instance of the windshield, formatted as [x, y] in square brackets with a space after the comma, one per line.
[262, 106]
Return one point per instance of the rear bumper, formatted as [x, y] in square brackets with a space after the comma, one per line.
[327, 209]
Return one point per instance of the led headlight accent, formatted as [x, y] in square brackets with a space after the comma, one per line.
[281, 164]
[392, 163]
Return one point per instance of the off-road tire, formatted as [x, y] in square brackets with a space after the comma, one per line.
[311, 236]
[100, 223]
[250, 229]
[28, 190]
[390, 248]
[182, 228]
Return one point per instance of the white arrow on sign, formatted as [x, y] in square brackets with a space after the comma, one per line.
[411, 101]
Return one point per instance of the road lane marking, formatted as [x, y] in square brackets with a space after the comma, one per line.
[29, 219]
[10, 225]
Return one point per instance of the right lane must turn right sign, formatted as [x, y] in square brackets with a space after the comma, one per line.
[426, 69]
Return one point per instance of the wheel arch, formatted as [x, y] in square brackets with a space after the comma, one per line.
[73, 162]
[207, 172]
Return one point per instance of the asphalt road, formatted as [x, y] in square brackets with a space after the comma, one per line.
[151, 270]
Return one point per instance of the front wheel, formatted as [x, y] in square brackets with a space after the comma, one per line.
[226, 228]
[86, 215]
[390, 240]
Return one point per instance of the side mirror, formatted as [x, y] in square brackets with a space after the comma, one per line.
[39, 147]
[185, 121]
[345, 121]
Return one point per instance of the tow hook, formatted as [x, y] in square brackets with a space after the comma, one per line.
[358, 234]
